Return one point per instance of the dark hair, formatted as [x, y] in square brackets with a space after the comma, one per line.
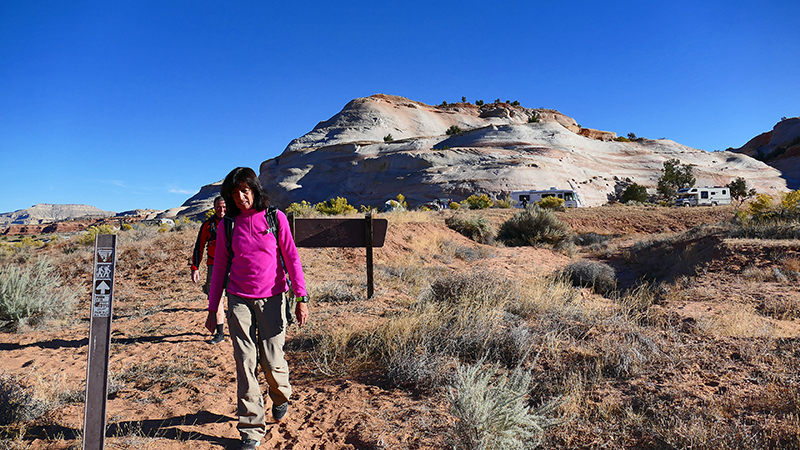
[247, 176]
[218, 198]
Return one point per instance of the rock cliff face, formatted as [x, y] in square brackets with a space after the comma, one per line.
[779, 148]
[381, 146]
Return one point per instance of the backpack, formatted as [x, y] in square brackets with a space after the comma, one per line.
[272, 221]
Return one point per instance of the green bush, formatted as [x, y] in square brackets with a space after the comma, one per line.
[388, 138]
[594, 274]
[634, 193]
[455, 206]
[504, 203]
[91, 233]
[477, 228]
[552, 202]
[302, 209]
[453, 130]
[482, 201]
[33, 293]
[535, 226]
[675, 176]
[335, 206]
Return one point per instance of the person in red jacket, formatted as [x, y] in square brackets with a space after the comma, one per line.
[207, 238]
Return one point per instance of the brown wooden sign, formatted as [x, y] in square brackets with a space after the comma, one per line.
[343, 233]
[348, 233]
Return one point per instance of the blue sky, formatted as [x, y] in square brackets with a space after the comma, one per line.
[137, 104]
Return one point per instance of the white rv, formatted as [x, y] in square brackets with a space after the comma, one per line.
[704, 196]
[524, 198]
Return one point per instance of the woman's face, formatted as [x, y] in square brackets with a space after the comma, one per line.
[243, 197]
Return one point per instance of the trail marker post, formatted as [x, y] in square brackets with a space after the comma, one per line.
[94, 419]
[343, 233]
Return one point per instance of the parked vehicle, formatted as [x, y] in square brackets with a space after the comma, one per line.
[704, 196]
[524, 198]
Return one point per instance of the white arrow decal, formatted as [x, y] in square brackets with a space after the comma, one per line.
[103, 288]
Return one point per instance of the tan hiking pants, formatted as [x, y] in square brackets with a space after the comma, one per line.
[258, 332]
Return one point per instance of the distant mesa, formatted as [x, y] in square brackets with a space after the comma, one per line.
[43, 213]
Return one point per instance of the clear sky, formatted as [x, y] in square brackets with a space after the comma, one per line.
[138, 103]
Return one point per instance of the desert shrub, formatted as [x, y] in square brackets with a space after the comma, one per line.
[18, 402]
[504, 203]
[181, 224]
[334, 206]
[591, 238]
[675, 177]
[401, 200]
[551, 202]
[634, 193]
[482, 201]
[453, 130]
[534, 226]
[34, 293]
[594, 274]
[302, 209]
[388, 138]
[477, 228]
[492, 410]
[622, 139]
[91, 233]
[168, 373]
[533, 118]
[455, 206]
[336, 292]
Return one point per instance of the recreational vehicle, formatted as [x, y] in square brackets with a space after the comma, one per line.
[524, 198]
[704, 196]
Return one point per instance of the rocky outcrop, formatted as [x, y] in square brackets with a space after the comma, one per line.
[597, 134]
[500, 149]
[779, 148]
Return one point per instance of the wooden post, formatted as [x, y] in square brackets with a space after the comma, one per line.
[370, 279]
[94, 420]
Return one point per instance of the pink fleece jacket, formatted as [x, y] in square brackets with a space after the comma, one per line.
[256, 270]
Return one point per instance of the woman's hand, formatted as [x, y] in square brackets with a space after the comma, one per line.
[211, 321]
[301, 313]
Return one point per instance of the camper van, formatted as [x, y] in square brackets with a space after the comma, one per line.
[704, 196]
[525, 198]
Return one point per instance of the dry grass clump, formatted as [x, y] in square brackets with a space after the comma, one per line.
[597, 275]
[19, 403]
[168, 373]
[535, 226]
[476, 227]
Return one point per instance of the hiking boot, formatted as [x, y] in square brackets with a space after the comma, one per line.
[279, 411]
[219, 337]
[248, 444]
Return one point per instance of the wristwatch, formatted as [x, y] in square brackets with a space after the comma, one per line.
[302, 299]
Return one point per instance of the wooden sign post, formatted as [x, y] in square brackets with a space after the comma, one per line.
[348, 233]
[94, 419]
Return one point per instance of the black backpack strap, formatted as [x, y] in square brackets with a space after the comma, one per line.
[274, 228]
[228, 223]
